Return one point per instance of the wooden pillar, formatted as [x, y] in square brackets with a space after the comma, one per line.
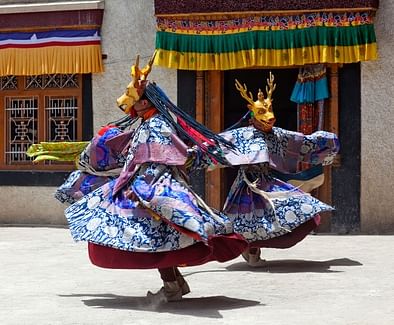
[214, 108]
[3, 127]
[200, 97]
[331, 124]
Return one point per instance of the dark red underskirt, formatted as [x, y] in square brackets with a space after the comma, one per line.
[290, 239]
[219, 248]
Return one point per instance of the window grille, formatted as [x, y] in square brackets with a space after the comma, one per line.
[35, 109]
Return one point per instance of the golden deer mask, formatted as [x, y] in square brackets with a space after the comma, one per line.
[136, 87]
[262, 107]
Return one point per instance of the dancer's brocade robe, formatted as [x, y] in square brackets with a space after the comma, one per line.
[262, 207]
[150, 208]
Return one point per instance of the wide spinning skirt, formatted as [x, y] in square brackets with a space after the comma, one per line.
[271, 213]
[154, 221]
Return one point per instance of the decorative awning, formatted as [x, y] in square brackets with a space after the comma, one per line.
[51, 38]
[233, 34]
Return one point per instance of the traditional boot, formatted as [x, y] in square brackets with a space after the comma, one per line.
[171, 291]
[254, 259]
[183, 284]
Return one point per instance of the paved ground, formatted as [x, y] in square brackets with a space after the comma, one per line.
[46, 278]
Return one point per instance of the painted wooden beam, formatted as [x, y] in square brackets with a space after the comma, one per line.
[214, 108]
[331, 124]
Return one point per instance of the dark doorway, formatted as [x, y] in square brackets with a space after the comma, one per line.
[346, 178]
[284, 109]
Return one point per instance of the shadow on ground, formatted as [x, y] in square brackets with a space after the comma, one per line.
[294, 266]
[208, 307]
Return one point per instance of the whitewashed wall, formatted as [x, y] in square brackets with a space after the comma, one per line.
[377, 129]
[128, 29]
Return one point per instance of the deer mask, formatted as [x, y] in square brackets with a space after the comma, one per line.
[262, 107]
[136, 87]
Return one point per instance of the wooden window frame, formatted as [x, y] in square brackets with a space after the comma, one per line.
[42, 130]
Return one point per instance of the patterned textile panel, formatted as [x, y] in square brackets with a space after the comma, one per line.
[163, 7]
[49, 52]
[222, 42]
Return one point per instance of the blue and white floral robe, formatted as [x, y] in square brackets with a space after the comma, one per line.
[150, 208]
[262, 207]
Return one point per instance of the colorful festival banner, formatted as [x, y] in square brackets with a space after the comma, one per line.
[58, 42]
[234, 40]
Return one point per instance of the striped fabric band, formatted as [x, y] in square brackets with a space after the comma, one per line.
[49, 38]
[222, 43]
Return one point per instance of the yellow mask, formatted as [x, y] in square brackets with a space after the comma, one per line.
[136, 87]
[262, 107]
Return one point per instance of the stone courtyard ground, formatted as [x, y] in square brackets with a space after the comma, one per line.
[46, 278]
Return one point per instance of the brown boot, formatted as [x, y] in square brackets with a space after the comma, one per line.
[254, 259]
[183, 284]
[171, 291]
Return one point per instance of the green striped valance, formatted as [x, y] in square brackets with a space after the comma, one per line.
[222, 43]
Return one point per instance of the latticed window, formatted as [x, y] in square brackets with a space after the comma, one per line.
[35, 109]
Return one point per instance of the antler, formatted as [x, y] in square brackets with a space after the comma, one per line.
[135, 71]
[271, 86]
[147, 69]
[243, 91]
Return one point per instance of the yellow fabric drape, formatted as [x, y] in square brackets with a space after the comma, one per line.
[51, 60]
[58, 151]
[266, 57]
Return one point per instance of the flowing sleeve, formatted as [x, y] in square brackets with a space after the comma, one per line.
[197, 159]
[250, 148]
[287, 148]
